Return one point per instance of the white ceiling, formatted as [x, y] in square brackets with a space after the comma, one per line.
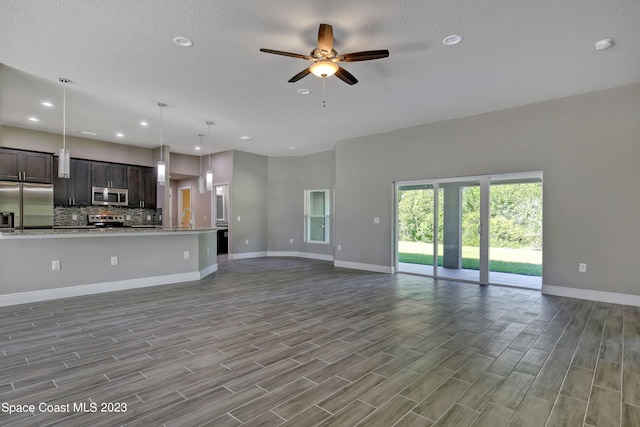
[121, 60]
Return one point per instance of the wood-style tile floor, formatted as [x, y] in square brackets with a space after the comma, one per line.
[294, 342]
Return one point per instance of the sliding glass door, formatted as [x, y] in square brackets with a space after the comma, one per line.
[479, 229]
[515, 257]
[460, 241]
[417, 228]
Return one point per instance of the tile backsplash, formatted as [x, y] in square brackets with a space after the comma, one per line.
[63, 216]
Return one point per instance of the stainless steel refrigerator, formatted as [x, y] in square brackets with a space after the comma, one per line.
[31, 204]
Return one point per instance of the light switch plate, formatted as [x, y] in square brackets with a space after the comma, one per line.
[186, 254]
[55, 265]
[114, 260]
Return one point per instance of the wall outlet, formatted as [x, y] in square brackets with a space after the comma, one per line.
[291, 241]
[376, 220]
[128, 217]
[246, 242]
[186, 254]
[55, 265]
[339, 247]
[207, 251]
[238, 218]
[74, 217]
[582, 267]
[148, 217]
[205, 217]
[114, 260]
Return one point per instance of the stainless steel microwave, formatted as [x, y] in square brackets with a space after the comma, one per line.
[109, 196]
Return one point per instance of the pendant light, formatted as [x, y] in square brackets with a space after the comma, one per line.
[162, 172]
[209, 172]
[64, 159]
[201, 178]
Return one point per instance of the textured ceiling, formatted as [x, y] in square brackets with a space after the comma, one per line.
[121, 59]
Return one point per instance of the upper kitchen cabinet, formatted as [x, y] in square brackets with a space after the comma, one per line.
[26, 166]
[75, 190]
[110, 175]
[142, 187]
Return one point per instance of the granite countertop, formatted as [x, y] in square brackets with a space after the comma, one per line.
[70, 232]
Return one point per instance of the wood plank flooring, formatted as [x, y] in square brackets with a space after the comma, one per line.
[295, 342]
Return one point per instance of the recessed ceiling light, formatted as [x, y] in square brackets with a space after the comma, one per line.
[46, 104]
[304, 91]
[34, 119]
[119, 135]
[603, 44]
[197, 148]
[86, 132]
[245, 137]
[144, 124]
[182, 41]
[452, 40]
[292, 148]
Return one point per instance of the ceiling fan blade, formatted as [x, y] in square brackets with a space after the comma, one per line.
[280, 52]
[300, 75]
[346, 76]
[366, 55]
[325, 38]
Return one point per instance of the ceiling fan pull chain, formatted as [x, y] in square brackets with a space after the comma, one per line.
[324, 92]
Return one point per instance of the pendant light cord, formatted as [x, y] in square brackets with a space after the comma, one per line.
[209, 150]
[161, 106]
[200, 135]
[64, 115]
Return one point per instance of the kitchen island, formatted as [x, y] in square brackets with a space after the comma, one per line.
[38, 265]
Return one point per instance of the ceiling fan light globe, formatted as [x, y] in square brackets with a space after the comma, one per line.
[324, 68]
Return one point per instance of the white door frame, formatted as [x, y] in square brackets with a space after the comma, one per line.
[180, 203]
[485, 184]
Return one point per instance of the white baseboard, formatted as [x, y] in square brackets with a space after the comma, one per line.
[98, 288]
[586, 294]
[207, 271]
[367, 267]
[308, 255]
[247, 255]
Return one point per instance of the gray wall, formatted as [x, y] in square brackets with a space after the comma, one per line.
[83, 148]
[588, 147]
[289, 177]
[86, 259]
[249, 202]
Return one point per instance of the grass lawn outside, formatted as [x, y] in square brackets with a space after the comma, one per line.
[504, 260]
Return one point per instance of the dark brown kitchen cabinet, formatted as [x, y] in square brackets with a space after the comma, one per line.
[26, 166]
[75, 190]
[142, 187]
[112, 175]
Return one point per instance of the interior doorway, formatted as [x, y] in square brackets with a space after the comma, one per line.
[484, 229]
[184, 207]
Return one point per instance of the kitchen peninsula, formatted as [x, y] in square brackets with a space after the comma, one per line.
[40, 265]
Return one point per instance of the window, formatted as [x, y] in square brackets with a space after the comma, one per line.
[316, 212]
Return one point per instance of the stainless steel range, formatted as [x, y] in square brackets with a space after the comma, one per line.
[105, 221]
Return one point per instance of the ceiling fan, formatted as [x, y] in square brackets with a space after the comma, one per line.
[325, 58]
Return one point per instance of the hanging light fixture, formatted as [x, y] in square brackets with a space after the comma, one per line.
[324, 68]
[201, 178]
[209, 172]
[162, 171]
[64, 159]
